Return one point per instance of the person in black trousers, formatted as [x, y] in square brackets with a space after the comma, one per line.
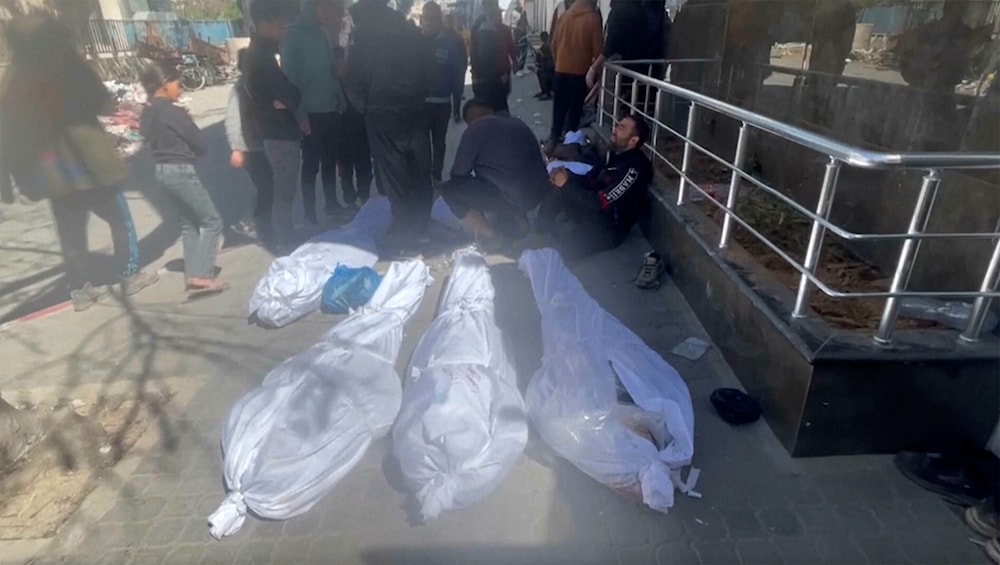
[492, 55]
[355, 156]
[247, 152]
[459, 93]
[388, 76]
[449, 60]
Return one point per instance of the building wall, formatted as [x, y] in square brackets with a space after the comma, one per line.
[115, 10]
[811, 83]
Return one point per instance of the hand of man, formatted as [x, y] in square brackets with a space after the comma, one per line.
[306, 126]
[559, 177]
[279, 106]
[591, 77]
[236, 159]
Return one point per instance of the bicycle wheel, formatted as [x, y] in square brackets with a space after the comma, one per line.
[192, 80]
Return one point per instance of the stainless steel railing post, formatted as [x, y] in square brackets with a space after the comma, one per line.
[634, 99]
[907, 254]
[602, 108]
[645, 95]
[815, 246]
[686, 163]
[656, 122]
[618, 94]
[734, 183]
[982, 304]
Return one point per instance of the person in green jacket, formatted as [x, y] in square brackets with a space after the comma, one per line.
[307, 61]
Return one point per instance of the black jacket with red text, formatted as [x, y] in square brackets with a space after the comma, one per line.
[614, 196]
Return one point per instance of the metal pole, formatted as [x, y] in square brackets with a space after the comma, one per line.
[656, 124]
[634, 98]
[618, 90]
[982, 304]
[603, 108]
[686, 164]
[734, 183]
[823, 207]
[645, 93]
[904, 266]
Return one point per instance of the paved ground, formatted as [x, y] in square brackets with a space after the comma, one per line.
[759, 506]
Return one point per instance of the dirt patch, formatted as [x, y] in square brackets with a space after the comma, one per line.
[84, 438]
[789, 230]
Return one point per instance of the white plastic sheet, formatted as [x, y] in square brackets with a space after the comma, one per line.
[463, 425]
[637, 449]
[288, 442]
[293, 286]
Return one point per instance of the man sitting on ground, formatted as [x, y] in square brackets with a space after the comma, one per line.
[593, 213]
[498, 170]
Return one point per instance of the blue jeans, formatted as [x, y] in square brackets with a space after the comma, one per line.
[201, 226]
[71, 213]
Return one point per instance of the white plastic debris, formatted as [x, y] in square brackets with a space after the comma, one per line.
[463, 425]
[636, 446]
[288, 442]
[691, 348]
[575, 167]
[293, 286]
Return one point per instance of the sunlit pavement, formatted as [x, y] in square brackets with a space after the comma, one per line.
[758, 505]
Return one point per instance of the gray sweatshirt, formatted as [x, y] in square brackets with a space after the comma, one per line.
[236, 113]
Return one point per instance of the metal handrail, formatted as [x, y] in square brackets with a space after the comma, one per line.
[850, 155]
[840, 154]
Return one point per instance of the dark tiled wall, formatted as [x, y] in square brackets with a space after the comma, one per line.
[920, 83]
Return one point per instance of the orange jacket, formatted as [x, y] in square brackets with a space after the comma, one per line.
[578, 39]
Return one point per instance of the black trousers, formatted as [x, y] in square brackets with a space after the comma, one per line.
[439, 114]
[72, 212]
[262, 177]
[575, 233]
[355, 158]
[403, 174]
[545, 81]
[456, 103]
[493, 91]
[319, 156]
[463, 194]
[569, 93]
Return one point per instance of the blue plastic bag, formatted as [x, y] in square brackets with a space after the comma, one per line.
[349, 288]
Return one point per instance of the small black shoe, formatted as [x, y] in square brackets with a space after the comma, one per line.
[960, 478]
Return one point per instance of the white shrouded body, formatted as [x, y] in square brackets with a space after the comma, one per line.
[293, 286]
[637, 448]
[288, 442]
[462, 426]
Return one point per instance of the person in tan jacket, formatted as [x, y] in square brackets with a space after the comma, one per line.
[578, 41]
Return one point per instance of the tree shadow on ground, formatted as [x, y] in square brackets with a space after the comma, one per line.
[231, 191]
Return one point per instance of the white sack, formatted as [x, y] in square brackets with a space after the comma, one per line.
[293, 286]
[288, 442]
[639, 449]
[462, 426]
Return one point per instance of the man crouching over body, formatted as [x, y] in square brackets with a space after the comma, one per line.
[586, 214]
[498, 172]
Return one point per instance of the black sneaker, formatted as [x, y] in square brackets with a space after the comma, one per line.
[958, 478]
